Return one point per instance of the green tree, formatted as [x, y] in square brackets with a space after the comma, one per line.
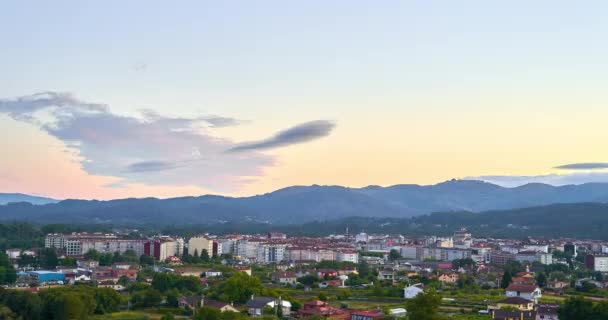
[576, 308]
[240, 287]
[173, 298]
[207, 313]
[105, 259]
[48, 258]
[506, 279]
[309, 279]
[394, 255]
[146, 260]
[205, 255]
[541, 280]
[92, 254]
[152, 298]
[106, 300]
[322, 296]
[162, 281]
[424, 306]
[123, 281]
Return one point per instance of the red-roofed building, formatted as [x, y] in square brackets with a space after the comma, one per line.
[322, 309]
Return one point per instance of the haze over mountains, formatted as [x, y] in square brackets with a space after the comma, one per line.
[20, 197]
[300, 204]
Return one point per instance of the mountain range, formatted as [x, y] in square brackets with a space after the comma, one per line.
[300, 204]
[20, 197]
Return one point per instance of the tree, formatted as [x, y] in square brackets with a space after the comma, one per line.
[240, 287]
[541, 280]
[309, 279]
[506, 279]
[48, 258]
[322, 296]
[463, 263]
[152, 298]
[92, 254]
[146, 260]
[207, 313]
[575, 308]
[394, 255]
[363, 269]
[7, 271]
[205, 255]
[105, 259]
[162, 281]
[424, 306]
[173, 298]
[106, 300]
[123, 281]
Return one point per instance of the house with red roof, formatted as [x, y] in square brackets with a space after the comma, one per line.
[322, 309]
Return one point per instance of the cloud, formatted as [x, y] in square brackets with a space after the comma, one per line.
[220, 122]
[152, 149]
[145, 166]
[584, 166]
[299, 134]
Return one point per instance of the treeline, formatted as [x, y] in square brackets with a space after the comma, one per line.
[76, 302]
[582, 220]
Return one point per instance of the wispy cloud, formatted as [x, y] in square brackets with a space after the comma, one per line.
[299, 134]
[584, 166]
[146, 166]
[152, 149]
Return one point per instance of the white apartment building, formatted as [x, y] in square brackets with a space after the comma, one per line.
[348, 256]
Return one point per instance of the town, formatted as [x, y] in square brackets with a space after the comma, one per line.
[342, 276]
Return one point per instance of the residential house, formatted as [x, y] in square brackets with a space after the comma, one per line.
[213, 273]
[513, 315]
[330, 283]
[386, 274]
[322, 309]
[110, 284]
[412, 291]
[448, 277]
[530, 292]
[547, 312]
[557, 285]
[256, 305]
[192, 302]
[322, 273]
[285, 277]
[87, 264]
[222, 306]
[397, 313]
[366, 315]
[247, 270]
[514, 303]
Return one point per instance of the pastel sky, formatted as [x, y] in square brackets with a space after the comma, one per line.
[112, 99]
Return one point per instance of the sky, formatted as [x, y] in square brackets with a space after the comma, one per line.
[114, 99]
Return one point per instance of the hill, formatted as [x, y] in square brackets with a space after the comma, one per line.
[300, 204]
[20, 197]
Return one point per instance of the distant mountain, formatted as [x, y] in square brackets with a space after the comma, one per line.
[19, 197]
[300, 204]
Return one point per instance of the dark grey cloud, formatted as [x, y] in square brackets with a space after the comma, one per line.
[147, 166]
[584, 166]
[299, 134]
[146, 149]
